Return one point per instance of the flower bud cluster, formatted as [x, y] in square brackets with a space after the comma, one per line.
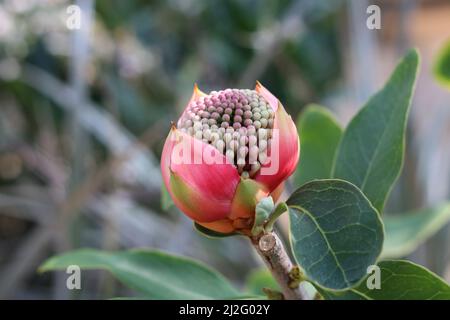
[238, 123]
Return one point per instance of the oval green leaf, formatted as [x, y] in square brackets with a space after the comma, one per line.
[441, 68]
[405, 232]
[152, 273]
[371, 152]
[400, 280]
[335, 232]
[319, 136]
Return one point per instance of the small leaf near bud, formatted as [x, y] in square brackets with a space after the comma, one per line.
[262, 213]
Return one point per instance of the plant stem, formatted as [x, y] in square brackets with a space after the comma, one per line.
[272, 251]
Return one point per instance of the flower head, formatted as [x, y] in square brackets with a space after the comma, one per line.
[230, 148]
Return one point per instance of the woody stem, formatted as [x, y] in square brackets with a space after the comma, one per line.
[273, 253]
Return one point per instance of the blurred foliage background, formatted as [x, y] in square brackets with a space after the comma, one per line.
[84, 115]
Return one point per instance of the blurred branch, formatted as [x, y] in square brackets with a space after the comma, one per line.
[137, 226]
[36, 211]
[87, 188]
[141, 166]
[79, 60]
[26, 258]
[47, 166]
[363, 47]
[269, 42]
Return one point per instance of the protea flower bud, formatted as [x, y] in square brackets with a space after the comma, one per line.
[229, 149]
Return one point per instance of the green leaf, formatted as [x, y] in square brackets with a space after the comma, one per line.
[400, 280]
[371, 152]
[154, 274]
[319, 137]
[441, 68]
[405, 232]
[335, 232]
[262, 213]
[259, 279]
[351, 294]
[276, 213]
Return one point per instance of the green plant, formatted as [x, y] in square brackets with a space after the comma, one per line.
[336, 225]
[441, 68]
